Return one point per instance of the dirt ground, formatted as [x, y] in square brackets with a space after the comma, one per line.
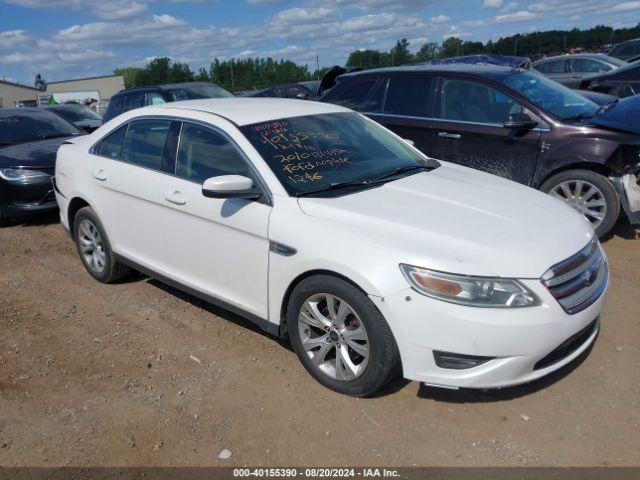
[137, 374]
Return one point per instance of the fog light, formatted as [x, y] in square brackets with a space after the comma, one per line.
[458, 361]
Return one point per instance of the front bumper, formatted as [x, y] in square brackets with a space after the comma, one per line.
[525, 343]
[20, 199]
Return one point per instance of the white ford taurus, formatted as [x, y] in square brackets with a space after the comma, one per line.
[320, 225]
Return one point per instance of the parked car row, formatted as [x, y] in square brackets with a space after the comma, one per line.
[274, 208]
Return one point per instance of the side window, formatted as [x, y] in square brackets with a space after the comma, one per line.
[585, 65]
[153, 98]
[354, 97]
[204, 153]
[555, 66]
[133, 100]
[408, 96]
[144, 143]
[112, 145]
[469, 101]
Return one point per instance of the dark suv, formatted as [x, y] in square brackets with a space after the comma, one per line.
[126, 100]
[513, 123]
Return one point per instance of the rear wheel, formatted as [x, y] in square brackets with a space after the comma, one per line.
[589, 193]
[340, 336]
[94, 248]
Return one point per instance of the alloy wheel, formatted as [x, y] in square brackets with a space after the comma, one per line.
[91, 246]
[333, 337]
[583, 196]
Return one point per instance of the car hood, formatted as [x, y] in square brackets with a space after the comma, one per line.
[460, 220]
[41, 153]
[623, 116]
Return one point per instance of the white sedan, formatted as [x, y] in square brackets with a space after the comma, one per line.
[322, 226]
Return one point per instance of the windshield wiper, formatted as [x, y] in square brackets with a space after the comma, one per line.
[400, 171]
[379, 180]
[607, 107]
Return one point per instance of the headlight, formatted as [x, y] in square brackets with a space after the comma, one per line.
[469, 290]
[18, 175]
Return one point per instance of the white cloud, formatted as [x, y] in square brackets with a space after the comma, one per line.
[492, 3]
[623, 7]
[440, 19]
[301, 16]
[521, 16]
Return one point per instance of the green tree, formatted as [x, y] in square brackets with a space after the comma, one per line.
[452, 47]
[428, 51]
[400, 54]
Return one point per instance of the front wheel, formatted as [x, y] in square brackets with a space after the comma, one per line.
[340, 336]
[589, 193]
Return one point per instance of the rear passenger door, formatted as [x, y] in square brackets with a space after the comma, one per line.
[216, 246]
[581, 67]
[470, 130]
[407, 109]
[557, 70]
[126, 169]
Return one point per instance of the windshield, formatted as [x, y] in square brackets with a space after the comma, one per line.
[196, 91]
[76, 113]
[315, 152]
[550, 96]
[21, 127]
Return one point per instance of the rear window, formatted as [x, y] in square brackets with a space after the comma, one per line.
[144, 143]
[555, 66]
[408, 96]
[194, 92]
[355, 95]
[112, 145]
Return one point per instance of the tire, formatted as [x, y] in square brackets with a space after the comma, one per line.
[94, 248]
[597, 195]
[357, 329]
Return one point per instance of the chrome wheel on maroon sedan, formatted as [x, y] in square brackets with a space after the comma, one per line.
[585, 197]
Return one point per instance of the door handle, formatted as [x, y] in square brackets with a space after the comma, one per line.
[175, 197]
[454, 136]
[100, 175]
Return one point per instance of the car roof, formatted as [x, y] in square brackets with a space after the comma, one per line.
[601, 56]
[164, 86]
[5, 112]
[488, 71]
[248, 110]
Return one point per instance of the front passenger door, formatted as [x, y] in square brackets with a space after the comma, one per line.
[218, 247]
[470, 131]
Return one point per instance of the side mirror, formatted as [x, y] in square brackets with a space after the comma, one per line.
[520, 121]
[230, 186]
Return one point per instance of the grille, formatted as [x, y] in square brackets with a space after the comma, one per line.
[569, 346]
[578, 281]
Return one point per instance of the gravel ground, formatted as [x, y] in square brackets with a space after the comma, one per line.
[137, 374]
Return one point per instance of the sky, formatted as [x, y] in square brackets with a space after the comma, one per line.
[65, 39]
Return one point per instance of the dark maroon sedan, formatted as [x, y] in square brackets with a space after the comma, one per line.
[513, 123]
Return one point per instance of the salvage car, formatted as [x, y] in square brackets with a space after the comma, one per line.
[513, 123]
[626, 50]
[126, 100]
[622, 82]
[29, 139]
[82, 117]
[569, 70]
[322, 226]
